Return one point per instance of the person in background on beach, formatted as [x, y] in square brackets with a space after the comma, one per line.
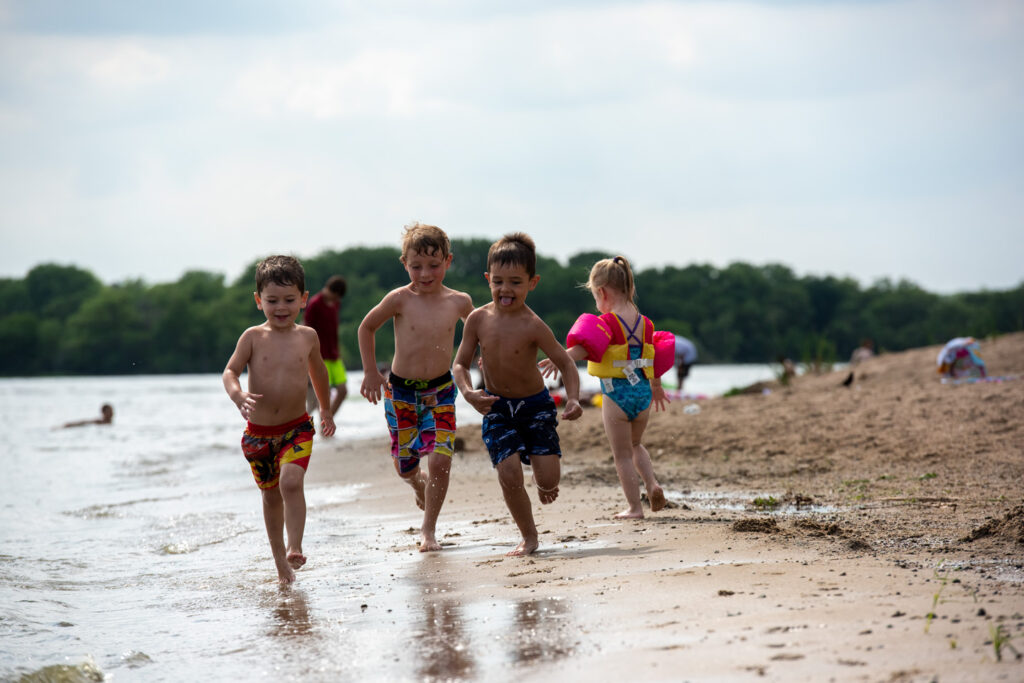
[106, 417]
[628, 395]
[322, 315]
[865, 351]
[278, 438]
[686, 356]
[419, 395]
[519, 414]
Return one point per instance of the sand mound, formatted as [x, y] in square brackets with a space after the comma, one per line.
[1010, 527]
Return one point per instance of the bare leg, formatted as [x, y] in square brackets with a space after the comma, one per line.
[340, 391]
[510, 476]
[619, 431]
[416, 480]
[642, 462]
[547, 472]
[273, 518]
[440, 466]
[294, 511]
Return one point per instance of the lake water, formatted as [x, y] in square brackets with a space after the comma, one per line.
[136, 551]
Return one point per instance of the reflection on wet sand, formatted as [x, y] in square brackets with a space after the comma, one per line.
[460, 639]
[444, 651]
[290, 614]
[544, 630]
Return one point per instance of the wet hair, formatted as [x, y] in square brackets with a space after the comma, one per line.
[336, 284]
[280, 270]
[613, 273]
[514, 249]
[427, 240]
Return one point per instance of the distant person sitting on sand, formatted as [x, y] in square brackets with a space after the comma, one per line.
[630, 386]
[106, 417]
[862, 353]
[322, 315]
[686, 356]
[519, 413]
[278, 438]
[419, 394]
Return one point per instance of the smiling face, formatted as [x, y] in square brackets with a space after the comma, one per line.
[426, 272]
[509, 285]
[281, 304]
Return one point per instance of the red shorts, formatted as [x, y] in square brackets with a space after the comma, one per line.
[267, 448]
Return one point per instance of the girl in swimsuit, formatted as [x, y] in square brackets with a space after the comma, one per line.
[626, 405]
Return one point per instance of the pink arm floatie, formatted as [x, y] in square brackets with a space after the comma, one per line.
[590, 332]
[664, 352]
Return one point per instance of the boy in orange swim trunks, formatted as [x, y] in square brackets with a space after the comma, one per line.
[419, 395]
[278, 439]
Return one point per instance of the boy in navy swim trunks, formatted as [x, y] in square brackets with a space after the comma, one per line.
[278, 439]
[419, 396]
[519, 414]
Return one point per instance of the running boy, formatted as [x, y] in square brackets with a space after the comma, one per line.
[419, 395]
[278, 439]
[519, 414]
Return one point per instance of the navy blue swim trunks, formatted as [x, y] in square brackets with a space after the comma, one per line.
[523, 425]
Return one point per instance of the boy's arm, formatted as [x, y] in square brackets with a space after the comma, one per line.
[566, 365]
[321, 384]
[378, 315]
[243, 400]
[479, 399]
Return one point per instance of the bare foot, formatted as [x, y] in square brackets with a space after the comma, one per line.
[547, 495]
[285, 575]
[630, 514]
[657, 499]
[524, 548]
[296, 559]
[419, 485]
[429, 544]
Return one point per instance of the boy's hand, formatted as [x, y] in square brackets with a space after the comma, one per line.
[548, 368]
[327, 427]
[572, 409]
[659, 398]
[372, 382]
[480, 400]
[247, 403]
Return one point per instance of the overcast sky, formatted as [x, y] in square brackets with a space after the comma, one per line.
[862, 139]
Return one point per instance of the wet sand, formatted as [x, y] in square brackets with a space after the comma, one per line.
[888, 544]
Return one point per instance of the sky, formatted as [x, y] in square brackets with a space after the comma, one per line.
[857, 139]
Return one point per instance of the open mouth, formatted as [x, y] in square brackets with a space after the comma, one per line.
[506, 300]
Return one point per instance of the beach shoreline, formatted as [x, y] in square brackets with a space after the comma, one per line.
[886, 543]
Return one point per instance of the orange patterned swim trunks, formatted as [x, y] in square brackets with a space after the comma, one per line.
[267, 448]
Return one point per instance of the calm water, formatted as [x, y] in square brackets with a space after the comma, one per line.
[137, 551]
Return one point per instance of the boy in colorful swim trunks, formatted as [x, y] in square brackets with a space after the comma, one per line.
[419, 396]
[519, 414]
[278, 439]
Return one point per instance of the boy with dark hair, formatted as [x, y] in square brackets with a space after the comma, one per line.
[519, 414]
[278, 438]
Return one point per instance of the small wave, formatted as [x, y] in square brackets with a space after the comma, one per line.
[104, 510]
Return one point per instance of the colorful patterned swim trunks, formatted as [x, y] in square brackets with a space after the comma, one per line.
[267, 448]
[421, 418]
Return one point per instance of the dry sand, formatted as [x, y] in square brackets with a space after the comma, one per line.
[894, 550]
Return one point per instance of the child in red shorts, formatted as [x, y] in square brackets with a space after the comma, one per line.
[278, 438]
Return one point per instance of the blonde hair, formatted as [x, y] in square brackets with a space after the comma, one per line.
[427, 240]
[514, 249]
[613, 273]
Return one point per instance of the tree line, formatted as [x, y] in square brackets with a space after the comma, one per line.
[62, 320]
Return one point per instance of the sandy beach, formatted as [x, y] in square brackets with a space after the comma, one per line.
[886, 543]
